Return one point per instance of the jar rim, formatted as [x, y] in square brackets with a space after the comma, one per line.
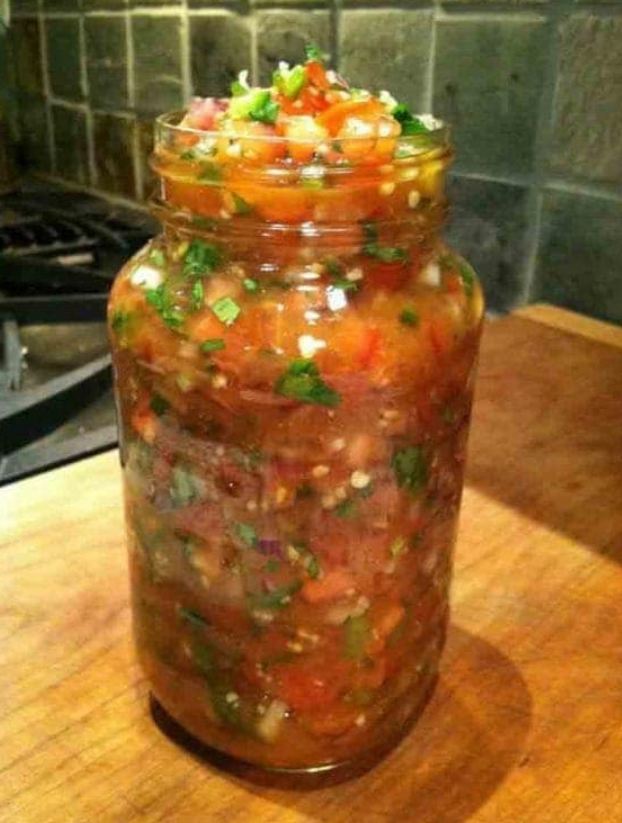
[413, 146]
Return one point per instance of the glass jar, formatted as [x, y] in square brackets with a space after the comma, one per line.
[294, 358]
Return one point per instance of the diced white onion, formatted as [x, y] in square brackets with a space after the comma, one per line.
[431, 275]
[146, 277]
[308, 345]
[270, 724]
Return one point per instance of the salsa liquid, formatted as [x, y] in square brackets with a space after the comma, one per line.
[294, 400]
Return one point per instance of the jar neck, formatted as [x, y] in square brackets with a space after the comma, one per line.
[242, 188]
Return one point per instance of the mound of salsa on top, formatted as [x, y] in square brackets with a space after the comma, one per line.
[294, 359]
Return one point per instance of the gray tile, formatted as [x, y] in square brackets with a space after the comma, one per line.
[488, 226]
[70, 144]
[113, 142]
[63, 53]
[145, 147]
[25, 38]
[151, 3]
[282, 35]
[96, 5]
[61, 5]
[34, 147]
[157, 63]
[487, 83]
[106, 61]
[19, 7]
[587, 111]
[403, 34]
[580, 253]
[220, 47]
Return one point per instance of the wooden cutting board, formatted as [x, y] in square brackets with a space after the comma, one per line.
[526, 723]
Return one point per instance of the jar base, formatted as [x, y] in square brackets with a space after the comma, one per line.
[307, 777]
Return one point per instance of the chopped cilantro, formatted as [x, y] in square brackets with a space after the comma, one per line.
[156, 256]
[209, 173]
[314, 53]
[241, 206]
[204, 222]
[290, 82]
[409, 317]
[357, 632]
[302, 382]
[213, 344]
[192, 617]
[409, 123]
[272, 566]
[197, 295]
[386, 254]
[250, 284]
[345, 509]
[201, 259]
[410, 468]
[185, 486]
[263, 109]
[246, 533]
[162, 302]
[468, 278]
[189, 154]
[158, 404]
[226, 310]
[370, 232]
[336, 272]
[305, 490]
[120, 320]
[276, 599]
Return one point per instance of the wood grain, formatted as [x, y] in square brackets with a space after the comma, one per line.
[526, 724]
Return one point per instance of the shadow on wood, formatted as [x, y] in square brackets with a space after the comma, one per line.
[466, 741]
[547, 433]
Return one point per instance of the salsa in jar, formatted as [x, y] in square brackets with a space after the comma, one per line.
[294, 359]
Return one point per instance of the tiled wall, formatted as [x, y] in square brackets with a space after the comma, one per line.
[533, 89]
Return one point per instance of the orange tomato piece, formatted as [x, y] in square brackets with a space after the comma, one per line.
[317, 75]
[334, 584]
[334, 117]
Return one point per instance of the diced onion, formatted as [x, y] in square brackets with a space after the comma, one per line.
[270, 724]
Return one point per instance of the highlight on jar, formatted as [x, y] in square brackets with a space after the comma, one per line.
[294, 363]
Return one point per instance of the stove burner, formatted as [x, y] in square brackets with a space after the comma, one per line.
[59, 251]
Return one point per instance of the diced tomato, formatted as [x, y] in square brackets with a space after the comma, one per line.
[370, 348]
[317, 75]
[390, 276]
[308, 687]
[333, 585]
[145, 422]
[334, 118]
[203, 112]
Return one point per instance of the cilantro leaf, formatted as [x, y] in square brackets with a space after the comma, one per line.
[263, 109]
[197, 295]
[194, 618]
[226, 310]
[120, 320]
[409, 317]
[156, 256]
[246, 533]
[209, 173]
[302, 382]
[468, 278]
[158, 404]
[410, 468]
[250, 284]
[201, 259]
[213, 344]
[241, 206]
[386, 254]
[162, 302]
[276, 599]
[347, 508]
[336, 271]
[314, 53]
[409, 123]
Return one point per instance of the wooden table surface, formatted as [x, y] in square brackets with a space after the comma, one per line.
[526, 723]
